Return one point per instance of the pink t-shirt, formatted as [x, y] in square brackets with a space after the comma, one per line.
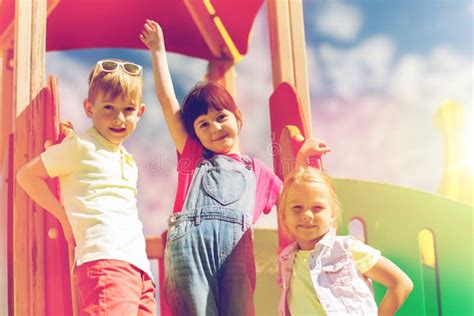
[267, 183]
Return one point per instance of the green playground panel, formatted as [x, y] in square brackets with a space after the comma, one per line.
[393, 218]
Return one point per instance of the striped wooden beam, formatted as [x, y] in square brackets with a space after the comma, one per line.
[6, 99]
[212, 29]
[223, 72]
[225, 53]
[28, 242]
[288, 51]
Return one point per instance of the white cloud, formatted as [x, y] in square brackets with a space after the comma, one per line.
[186, 71]
[347, 72]
[382, 128]
[371, 68]
[315, 76]
[339, 20]
[428, 81]
[380, 140]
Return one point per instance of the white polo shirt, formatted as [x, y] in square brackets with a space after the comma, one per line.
[98, 188]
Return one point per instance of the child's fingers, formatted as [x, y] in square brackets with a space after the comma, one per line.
[145, 31]
[154, 24]
[317, 145]
[67, 131]
[149, 24]
[310, 153]
[323, 148]
[143, 39]
[321, 143]
[149, 28]
[66, 127]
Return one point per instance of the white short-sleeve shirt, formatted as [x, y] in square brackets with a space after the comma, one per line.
[98, 188]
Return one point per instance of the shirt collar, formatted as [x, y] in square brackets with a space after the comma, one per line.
[288, 252]
[328, 239]
[102, 140]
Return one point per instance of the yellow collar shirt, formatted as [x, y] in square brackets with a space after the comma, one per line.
[98, 189]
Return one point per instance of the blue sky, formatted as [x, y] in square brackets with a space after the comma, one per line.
[415, 25]
[378, 71]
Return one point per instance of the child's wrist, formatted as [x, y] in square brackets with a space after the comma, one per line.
[157, 49]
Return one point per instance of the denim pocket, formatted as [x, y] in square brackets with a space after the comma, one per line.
[179, 230]
[339, 271]
[334, 268]
[224, 186]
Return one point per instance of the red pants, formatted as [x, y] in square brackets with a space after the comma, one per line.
[114, 287]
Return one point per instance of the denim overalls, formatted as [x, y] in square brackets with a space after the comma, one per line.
[209, 260]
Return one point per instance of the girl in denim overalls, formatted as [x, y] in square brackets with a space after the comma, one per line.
[322, 273]
[209, 262]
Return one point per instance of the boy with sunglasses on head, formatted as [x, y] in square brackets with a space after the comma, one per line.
[98, 187]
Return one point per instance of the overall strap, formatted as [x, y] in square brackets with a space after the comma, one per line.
[247, 162]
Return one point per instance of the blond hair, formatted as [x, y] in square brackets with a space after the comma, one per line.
[114, 84]
[302, 175]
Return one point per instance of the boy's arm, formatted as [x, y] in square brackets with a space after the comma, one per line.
[32, 178]
[398, 285]
[152, 37]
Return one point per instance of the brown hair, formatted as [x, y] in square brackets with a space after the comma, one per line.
[201, 98]
[308, 174]
[114, 84]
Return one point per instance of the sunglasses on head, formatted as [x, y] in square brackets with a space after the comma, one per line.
[108, 65]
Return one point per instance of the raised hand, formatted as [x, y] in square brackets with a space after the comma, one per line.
[152, 35]
[310, 153]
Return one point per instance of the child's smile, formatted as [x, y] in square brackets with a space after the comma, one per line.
[307, 227]
[118, 130]
[308, 213]
[218, 131]
[114, 119]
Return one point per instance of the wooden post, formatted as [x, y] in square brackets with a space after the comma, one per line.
[221, 45]
[6, 117]
[6, 174]
[288, 51]
[23, 280]
[212, 30]
[300, 61]
[280, 42]
[29, 56]
[6, 112]
[223, 72]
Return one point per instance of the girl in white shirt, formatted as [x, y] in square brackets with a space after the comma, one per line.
[322, 273]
